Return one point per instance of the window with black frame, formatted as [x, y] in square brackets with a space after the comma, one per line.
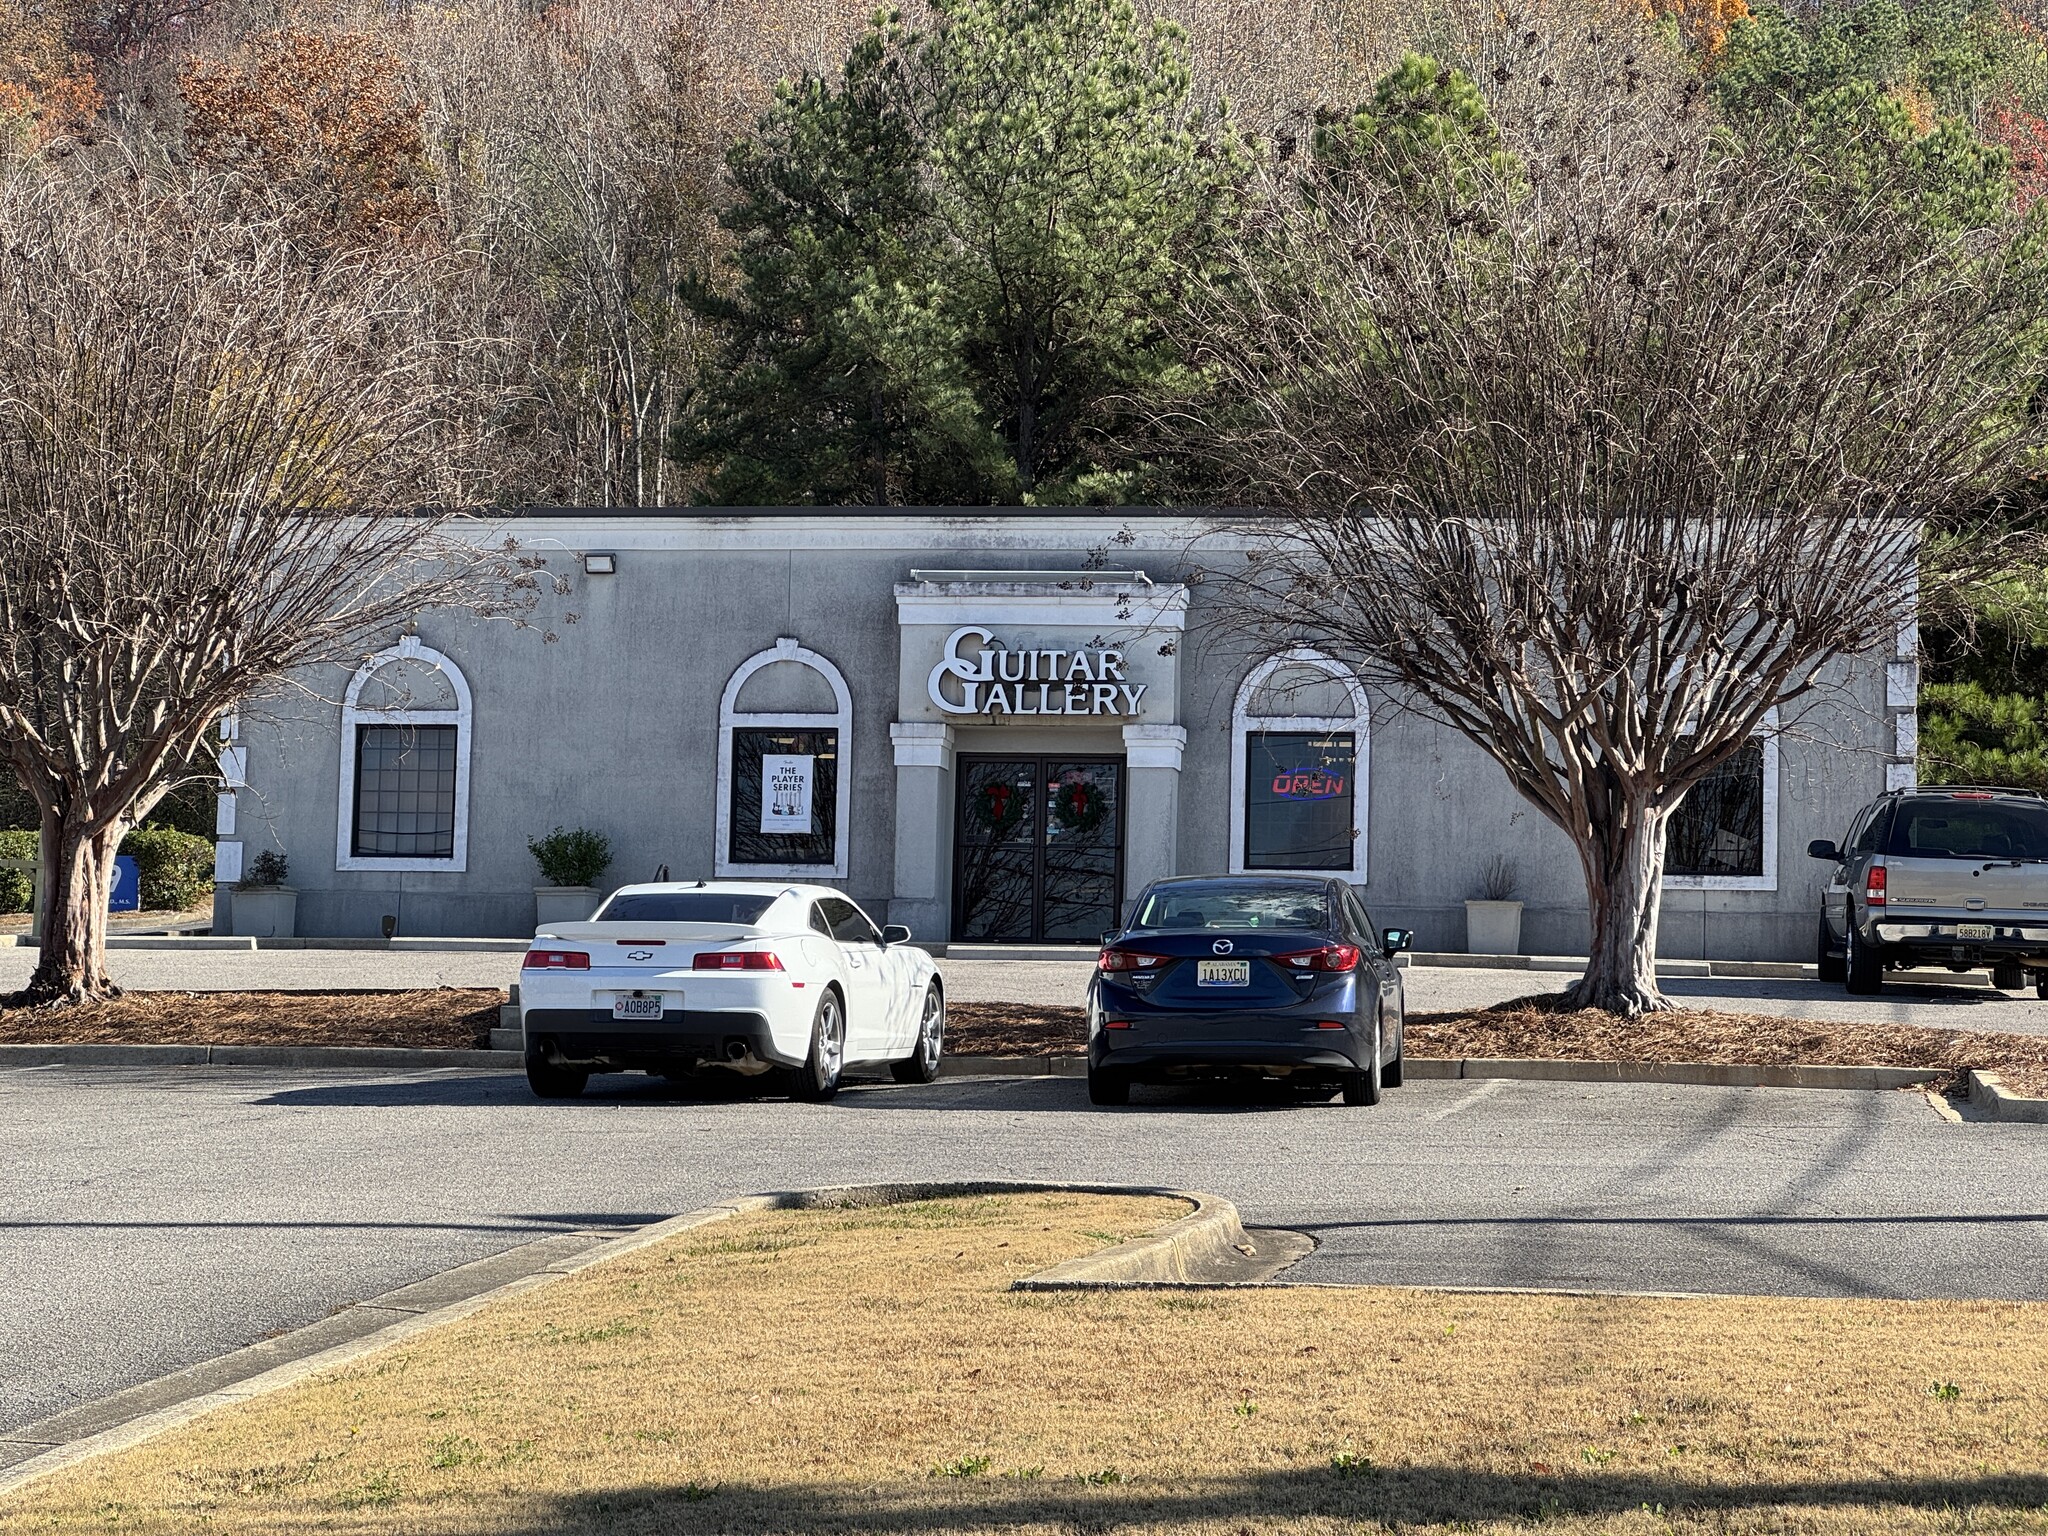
[1299, 799]
[785, 796]
[1718, 829]
[405, 792]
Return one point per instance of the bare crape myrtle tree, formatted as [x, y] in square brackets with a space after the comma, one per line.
[1597, 436]
[212, 443]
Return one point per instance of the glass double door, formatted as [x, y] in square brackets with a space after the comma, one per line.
[1037, 849]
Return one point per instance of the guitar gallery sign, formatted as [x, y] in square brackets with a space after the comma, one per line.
[1082, 681]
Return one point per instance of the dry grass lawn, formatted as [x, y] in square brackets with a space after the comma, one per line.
[868, 1371]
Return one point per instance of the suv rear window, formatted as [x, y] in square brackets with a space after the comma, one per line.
[684, 907]
[1970, 829]
[1239, 906]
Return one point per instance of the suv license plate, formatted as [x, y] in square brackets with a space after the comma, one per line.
[1223, 973]
[1974, 931]
[637, 1008]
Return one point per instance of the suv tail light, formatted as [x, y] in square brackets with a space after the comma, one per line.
[555, 960]
[737, 960]
[1873, 886]
[1127, 960]
[1331, 957]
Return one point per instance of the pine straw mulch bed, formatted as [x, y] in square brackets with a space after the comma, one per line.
[1533, 1028]
[445, 1018]
[438, 1018]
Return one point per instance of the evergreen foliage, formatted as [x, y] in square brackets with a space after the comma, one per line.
[954, 262]
[1884, 95]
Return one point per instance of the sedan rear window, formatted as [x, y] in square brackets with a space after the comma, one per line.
[1970, 829]
[684, 907]
[1237, 906]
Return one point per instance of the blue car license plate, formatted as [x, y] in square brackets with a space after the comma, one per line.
[1223, 973]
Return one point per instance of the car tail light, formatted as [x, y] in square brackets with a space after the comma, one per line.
[1328, 1024]
[1331, 957]
[555, 960]
[737, 960]
[1127, 960]
[1873, 886]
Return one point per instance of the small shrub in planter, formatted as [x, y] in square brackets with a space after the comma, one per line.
[176, 867]
[266, 872]
[575, 858]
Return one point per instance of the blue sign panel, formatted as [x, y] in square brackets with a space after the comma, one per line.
[127, 895]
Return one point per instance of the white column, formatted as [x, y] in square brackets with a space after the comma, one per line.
[1152, 755]
[923, 898]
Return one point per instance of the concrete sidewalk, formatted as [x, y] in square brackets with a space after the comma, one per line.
[1935, 999]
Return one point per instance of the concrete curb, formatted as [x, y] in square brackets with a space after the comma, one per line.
[1420, 1068]
[1989, 1093]
[140, 1413]
[283, 1056]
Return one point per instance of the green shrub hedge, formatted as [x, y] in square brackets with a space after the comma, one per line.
[176, 868]
[17, 887]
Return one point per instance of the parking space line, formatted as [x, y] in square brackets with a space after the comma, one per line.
[1485, 1090]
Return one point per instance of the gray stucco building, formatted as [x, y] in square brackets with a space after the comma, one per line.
[992, 726]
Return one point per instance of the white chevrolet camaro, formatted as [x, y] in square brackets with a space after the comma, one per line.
[747, 976]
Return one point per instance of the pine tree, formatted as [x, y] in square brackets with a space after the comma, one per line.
[955, 260]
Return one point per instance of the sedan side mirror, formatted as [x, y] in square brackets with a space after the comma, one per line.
[1821, 848]
[1395, 940]
[1109, 935]
[895, 933]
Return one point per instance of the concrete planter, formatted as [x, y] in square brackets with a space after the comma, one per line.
[563, 904]
[266, 912]
[1493, 927]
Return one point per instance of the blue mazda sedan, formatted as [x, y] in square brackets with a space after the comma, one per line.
[1273, 977]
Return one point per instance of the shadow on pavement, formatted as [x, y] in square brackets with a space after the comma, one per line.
[1392, 1497]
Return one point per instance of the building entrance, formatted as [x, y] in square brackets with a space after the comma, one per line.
[1038, 848]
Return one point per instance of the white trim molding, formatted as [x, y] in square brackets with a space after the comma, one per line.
[1768, 880]
[840, 719]
[1155, 746]
[921, 744]
[1358, 723]
[462, 717]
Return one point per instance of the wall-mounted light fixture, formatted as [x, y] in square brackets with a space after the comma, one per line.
[600, 565]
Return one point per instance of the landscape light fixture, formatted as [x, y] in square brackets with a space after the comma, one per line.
[600, 565]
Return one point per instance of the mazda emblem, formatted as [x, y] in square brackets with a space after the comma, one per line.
[1223, 946]
[639, 954]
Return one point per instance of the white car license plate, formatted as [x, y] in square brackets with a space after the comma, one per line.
[1223, 973]
[637, 1008]
[1974, 930]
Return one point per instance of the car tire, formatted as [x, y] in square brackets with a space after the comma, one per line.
[2041, 985]
[818, 1078]
[1830, 965]
[1862, 966]
[922, 1065]
[1104, 1088]
[2009, 978]
[551, 1081]
[1362, 1088]
[1392, 1073]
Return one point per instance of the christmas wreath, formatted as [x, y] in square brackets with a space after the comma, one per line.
[997, 806]
[1078, 805]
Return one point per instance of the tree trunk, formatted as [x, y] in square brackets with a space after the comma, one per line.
[1624, 865]
[78, 881]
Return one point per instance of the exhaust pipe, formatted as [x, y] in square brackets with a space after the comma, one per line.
[735, 1049]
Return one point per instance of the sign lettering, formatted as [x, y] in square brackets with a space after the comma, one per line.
[999, 681]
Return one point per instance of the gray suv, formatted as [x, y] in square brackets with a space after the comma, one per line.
[1951, 875]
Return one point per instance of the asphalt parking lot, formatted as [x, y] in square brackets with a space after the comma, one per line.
[150, 1218]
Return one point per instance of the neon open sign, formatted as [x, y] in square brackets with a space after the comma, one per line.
[1308, 784]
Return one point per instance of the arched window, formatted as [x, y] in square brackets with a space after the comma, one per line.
[405, 737]
[1724, 834]
[784, 725]
[1300, 763]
